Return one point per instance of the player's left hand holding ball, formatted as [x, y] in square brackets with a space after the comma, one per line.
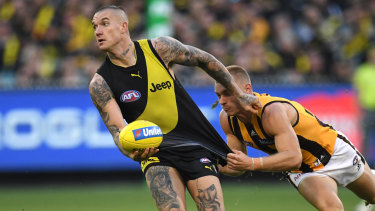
[144, 154]
[140, 139]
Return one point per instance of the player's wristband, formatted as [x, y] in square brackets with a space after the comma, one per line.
[256, 163]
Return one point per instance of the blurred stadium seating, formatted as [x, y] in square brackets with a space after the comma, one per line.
[50, 43]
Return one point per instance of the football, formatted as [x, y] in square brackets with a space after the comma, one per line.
[139, 135]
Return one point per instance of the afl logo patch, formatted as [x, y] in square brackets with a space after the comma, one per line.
[130, 96]
[205, 160]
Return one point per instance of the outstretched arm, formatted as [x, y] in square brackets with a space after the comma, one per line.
[277, 123]
[174, 52]
[103, 99]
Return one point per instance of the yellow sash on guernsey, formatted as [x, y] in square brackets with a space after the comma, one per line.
[161, 105]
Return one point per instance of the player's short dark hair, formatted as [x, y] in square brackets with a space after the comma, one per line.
[113, 7]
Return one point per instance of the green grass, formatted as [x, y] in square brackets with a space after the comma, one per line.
[133, 197]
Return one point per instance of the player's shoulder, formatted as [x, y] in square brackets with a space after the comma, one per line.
[223, 117]
[96, 79]
[163, 39]
[165, 42]
[98, 85]
[223, 114]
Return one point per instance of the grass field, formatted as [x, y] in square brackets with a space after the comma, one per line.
[127, 196]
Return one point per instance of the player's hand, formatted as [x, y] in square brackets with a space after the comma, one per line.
[238, 161]
[250, 102]
[227, 171]
[139, 155]
[221, 168]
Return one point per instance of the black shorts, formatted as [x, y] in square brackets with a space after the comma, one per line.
[191, 163]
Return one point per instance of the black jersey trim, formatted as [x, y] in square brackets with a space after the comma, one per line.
[315, 149]
[320, 122]
[305, 168]
[236, 129]
[262, 147]
[281, 101]
[262, 129]
[230, 124]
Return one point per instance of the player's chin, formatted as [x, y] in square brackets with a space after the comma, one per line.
[230, 112]
[103, 47]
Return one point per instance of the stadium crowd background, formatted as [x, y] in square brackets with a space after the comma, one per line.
[51, 43]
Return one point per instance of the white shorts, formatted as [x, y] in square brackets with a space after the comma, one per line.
[345, 166]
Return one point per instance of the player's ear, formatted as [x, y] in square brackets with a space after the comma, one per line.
[125, 27]
[248, 88]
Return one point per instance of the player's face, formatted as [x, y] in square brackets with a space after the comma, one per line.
[208, 198]
[227, 101]
[108, 28]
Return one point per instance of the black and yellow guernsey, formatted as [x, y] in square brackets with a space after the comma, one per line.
[316, 139]
[147, 91]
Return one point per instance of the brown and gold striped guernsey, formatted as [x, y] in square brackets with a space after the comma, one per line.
[316, 139]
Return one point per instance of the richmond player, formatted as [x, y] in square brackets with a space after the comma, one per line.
[136, 82]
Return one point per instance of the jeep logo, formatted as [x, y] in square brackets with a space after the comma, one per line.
[163, 85]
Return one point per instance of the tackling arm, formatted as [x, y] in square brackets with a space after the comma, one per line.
[174, 52]
[276, 123]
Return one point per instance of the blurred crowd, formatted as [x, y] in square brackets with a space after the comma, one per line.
[51, 43]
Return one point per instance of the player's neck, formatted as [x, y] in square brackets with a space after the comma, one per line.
[123, 54]
[244, 117]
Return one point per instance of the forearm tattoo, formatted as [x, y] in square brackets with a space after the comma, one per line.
[101, 94]
[247, 99]
[161, 187]
[207, 199]
[173, 51]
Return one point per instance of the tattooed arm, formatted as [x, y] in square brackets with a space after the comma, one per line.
[172, 52]
[103, 99]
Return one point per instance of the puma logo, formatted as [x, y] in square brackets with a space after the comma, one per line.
[136, 75]
[208, 167]
[212, 168]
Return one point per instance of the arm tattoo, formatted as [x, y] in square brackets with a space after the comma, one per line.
[115, 131]
[247, 99]
[101, 94]
[208, 199]
[161, 187]
[173, 51]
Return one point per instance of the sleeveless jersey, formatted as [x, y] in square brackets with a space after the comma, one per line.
[147, 91]
[316, 139]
